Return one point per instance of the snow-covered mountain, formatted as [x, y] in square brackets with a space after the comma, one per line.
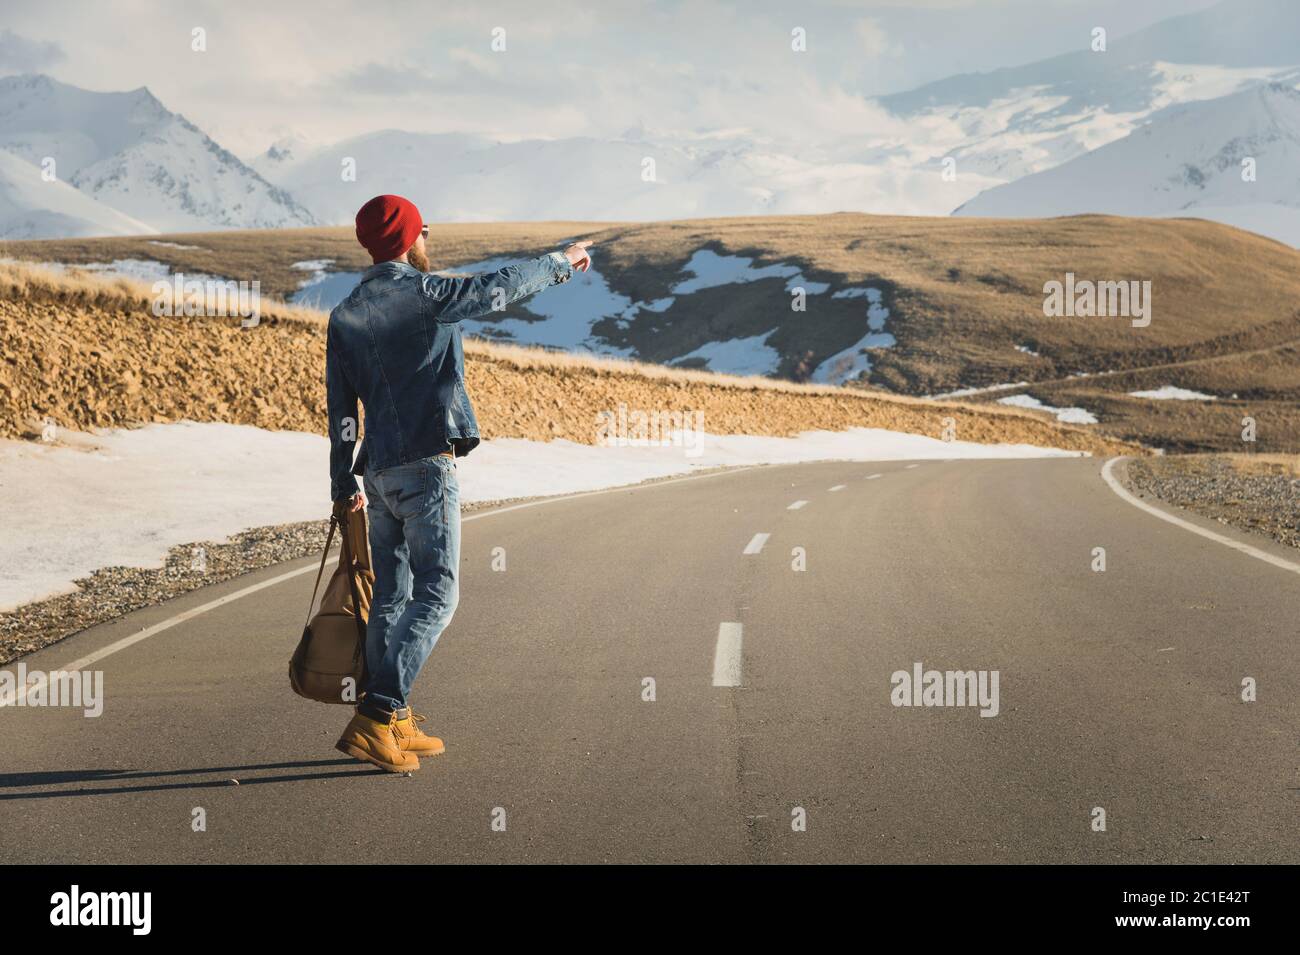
[285, 151]
[1235, 159]
[126, 150]
[998, 127]
[33, 208]
[1017, 121]
[464, 178]
[130, 153]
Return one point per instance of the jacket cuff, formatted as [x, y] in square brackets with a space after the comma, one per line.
[345, 489]
[564, 268]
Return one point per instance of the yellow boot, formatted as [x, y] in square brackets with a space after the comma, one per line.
[375, 742]
[412, 739]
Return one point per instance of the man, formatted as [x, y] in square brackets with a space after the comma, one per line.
[394, 344]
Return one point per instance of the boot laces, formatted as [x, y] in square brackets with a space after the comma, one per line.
[415, 719]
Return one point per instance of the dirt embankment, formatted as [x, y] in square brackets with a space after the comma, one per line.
[81, 353]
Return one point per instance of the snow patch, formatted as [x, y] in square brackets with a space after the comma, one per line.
[173, 245]
[323, 289]
[710, 270]
[1065, 415]
[141, 270]
[738, 356]
[964, 392]
[1172, 393]
[852, 362]
[563, 317]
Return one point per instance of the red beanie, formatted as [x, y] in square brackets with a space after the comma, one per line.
[387, 226]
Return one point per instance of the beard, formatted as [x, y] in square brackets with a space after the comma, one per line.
[417, 259]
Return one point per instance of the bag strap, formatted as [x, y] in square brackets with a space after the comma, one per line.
[351, 574]
[329, 539]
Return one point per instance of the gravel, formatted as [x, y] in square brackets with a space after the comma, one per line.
[112, 592]
[1258, 496]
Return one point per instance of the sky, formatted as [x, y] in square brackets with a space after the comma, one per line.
[327, 70]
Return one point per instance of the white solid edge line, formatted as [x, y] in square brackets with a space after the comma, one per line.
[170, 622]
[756, 544]
[796, 505]
[167, 624]
[1107, 472]
[726, 655]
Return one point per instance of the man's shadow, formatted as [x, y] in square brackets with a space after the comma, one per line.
[72, 777]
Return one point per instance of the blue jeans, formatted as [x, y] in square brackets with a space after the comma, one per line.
[414, 512]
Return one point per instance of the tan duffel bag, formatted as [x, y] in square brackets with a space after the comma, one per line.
[329, 665]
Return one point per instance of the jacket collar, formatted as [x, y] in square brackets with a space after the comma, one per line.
[388, 269]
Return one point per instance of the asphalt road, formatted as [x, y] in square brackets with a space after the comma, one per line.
[1117, 689]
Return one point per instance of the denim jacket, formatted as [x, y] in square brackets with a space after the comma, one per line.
[394, 344]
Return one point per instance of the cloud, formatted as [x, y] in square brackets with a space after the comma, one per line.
[21, 55]
[381, 79]
[569, 69]
[874, 40]
[481, 63]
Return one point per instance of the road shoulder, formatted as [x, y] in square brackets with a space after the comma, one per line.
[1116, 472]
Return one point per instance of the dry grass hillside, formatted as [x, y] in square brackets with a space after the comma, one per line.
[268, 255]
[1262, 385]
[84, 352]
[965, 298]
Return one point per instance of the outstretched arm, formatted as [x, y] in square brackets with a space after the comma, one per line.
[478, 295]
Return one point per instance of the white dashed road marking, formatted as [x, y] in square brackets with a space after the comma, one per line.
[756, 545]
[872, 477]
[796, 505]
[726, 656]
[838, 487]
